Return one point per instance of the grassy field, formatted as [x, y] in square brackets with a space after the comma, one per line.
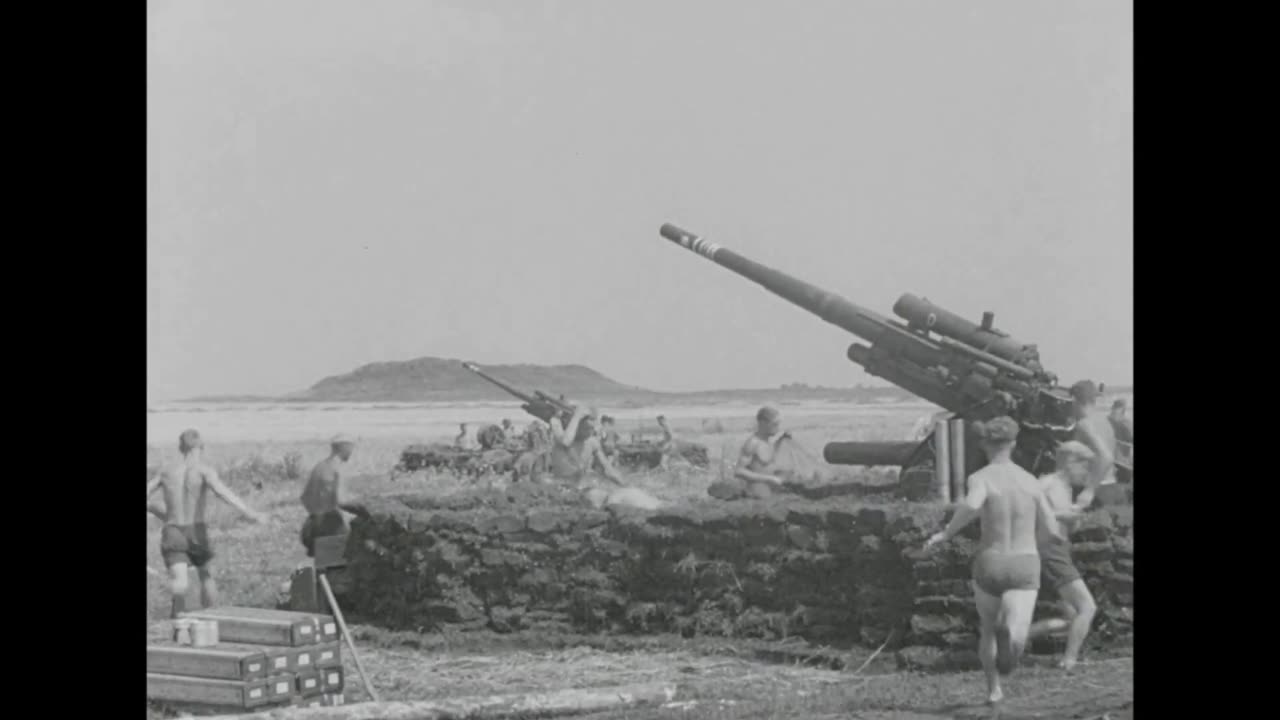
[715, 678]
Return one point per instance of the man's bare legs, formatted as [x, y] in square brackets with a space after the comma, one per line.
[1005, 623]
[988, 612]
[1016, 608]
[178, 585]
[208, 588]
[1078, 610]
[1076, 595]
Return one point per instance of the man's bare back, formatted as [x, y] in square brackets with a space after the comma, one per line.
[185, 489]
[1012, 505]
[184, 540]
[325, 496]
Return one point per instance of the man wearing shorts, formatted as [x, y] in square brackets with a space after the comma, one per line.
[1058, 572]
[325, 496]
[184, 539]
[1006, 569]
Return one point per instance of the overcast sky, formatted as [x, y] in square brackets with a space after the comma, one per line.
[337, 182]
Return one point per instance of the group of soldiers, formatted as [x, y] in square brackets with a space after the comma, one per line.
[1026, 525]
[566, 447]
[1026, 521]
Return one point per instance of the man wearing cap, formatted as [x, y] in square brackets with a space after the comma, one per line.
[1095, 431]
[325, 496]
[185, 537]
[1057, 571]
[755, 461]
[1006, 567]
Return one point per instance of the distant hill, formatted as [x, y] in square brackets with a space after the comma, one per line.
[439, 379]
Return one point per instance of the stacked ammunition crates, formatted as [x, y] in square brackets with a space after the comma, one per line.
[263, 658]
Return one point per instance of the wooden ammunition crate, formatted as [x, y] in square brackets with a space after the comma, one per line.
[219, 662]
[330, 552]
[328, 627]
[286, 658]
[281, 687]
[182, 689]
[326, 655]
[309, 682]
[332, 679]
[291, 631]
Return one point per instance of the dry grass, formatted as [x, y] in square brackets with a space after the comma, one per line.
[716, 679]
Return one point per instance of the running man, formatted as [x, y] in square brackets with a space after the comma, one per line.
[184, 540]
[325, 496]
[1057, 571]
[1006, 568]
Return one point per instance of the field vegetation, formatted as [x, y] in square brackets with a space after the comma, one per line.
[714, 678]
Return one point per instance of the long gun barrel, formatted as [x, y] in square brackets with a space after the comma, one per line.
[539, 404]
[972, 370]
[902, 353]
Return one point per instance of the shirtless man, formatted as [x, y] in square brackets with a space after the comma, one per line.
[574, 459]
[464, 440]
[1122, 428]
[325, 497]
[668, 443]
[511, 434]
[608, 437]
[1094, 430]
[1006, 568]
[184, 539]
[532, 463]
[1056, 569]
[756, 458]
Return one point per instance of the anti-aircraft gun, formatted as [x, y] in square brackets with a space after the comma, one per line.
[975, 372]
[539, 404]
[630, 456]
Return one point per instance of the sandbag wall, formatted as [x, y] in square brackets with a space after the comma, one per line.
[831, 571]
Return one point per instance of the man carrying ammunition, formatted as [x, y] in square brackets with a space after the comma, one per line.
[1057, 571]
[1006, 568]
[185, 537]
[755, 461]
[1094, 430]
[325, 497]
